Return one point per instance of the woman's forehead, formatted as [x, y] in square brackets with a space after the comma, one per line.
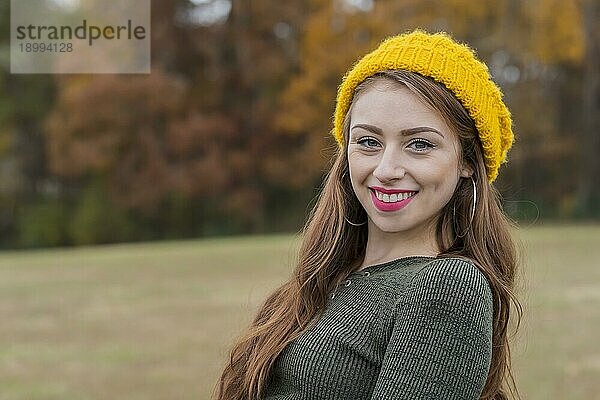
[394, 108]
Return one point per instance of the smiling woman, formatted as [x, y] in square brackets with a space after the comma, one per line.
[403, 288]
[421, 159]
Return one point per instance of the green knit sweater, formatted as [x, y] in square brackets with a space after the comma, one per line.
[412, 328]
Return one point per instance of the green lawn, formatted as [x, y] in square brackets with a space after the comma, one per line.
[155, 320]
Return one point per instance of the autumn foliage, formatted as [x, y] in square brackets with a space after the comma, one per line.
[230, 131]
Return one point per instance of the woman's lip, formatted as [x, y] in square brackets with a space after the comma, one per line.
[390, 191]
[395, 206]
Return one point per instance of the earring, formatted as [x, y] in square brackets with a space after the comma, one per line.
[353, 224]
[474, 199]
[472, 209]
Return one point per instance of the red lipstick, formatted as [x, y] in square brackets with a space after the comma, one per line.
[393, 206]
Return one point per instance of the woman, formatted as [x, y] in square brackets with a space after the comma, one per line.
[403, 286]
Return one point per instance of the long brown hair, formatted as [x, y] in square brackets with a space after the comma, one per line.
[331, 247]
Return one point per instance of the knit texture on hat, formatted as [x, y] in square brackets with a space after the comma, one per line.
[455, 66]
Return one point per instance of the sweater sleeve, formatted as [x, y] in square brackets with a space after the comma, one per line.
[441, 342]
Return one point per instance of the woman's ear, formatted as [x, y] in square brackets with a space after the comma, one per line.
[466, 171]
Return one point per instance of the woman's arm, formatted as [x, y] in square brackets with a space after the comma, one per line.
[441, 343]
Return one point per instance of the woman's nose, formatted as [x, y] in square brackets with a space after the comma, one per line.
[390, 166]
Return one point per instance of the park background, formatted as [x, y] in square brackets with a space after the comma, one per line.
[144, 217]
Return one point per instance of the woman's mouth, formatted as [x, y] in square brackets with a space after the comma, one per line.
[391, 202]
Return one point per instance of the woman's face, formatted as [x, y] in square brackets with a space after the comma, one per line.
[397, 142]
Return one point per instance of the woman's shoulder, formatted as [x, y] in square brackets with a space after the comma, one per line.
[421, 268]
[451, 267]
[451, 277]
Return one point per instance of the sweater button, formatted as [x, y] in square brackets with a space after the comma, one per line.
[332, 295]
[367, 273]
[348, 282]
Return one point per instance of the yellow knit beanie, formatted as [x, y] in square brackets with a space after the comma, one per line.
[455, 66]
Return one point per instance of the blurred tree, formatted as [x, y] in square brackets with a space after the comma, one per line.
[588, 196]
[94, 220]
[122, 140]
[196, 126]
[24, 100]
[42, 223]
[556, 63]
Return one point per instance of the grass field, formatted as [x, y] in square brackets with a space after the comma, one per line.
[154, 320]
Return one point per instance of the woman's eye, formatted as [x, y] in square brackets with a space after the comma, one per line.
[421, 145]
[370, 142]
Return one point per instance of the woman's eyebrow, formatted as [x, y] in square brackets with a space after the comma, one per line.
[403, 132]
